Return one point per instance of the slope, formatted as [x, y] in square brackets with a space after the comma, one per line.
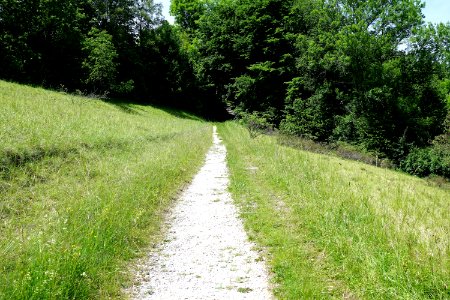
[340, 229]
[83, 185]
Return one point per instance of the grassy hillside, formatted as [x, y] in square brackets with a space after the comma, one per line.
[340, 229]
[83, 184]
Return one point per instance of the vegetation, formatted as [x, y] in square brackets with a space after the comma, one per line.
[83, 186]
[83, 181]
[433, 160]
[111, 48]
[339, 229]
[369, 73]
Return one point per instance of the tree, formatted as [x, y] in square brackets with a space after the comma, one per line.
[353, 77]
[40, 41]
[187, 12]
[242, 54]
[100, 63]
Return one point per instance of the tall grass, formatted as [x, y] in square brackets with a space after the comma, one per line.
[340, 229]
[83, 186]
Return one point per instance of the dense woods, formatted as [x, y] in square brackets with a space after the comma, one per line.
[114, 48]
[369, 73]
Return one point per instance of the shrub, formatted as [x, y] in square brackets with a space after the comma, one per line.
[124, 88]
[257, 123]
[433, 160]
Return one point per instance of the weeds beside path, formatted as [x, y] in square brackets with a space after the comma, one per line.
[206, 253]
[83, 185]
[340, 229]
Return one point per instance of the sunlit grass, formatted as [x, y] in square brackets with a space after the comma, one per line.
[83, 185]
[340, 229]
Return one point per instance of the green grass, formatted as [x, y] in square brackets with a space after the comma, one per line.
[334, 228]
[83, 187]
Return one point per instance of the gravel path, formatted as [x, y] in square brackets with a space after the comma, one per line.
[206, 253]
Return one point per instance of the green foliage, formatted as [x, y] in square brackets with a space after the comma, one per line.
[100, 62]
[41, 41]
[311, 117]
[355, 85]
[427, 161]
[434, 40]
[124, 88]
[444, 139]
[445, 88]
[364, 72]
[433, 160]
[118, 48]
[326, 70]
[241, 49]
[257, 123]
[187, 12]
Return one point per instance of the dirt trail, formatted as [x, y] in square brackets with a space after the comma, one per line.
[206, 254]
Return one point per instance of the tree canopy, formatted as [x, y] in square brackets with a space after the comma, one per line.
[365, 72]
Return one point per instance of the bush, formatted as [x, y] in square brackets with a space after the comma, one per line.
[256, 122]
[433, 160]
[124, 88]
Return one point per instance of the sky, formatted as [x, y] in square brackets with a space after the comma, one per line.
[165, 9]
[435, 10]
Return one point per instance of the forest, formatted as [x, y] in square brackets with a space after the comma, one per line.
[368, 73]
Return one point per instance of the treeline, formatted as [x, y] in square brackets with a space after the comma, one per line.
[367, 72]
[112, 48]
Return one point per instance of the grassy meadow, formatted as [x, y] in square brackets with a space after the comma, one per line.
[83, 187]
[334, 228]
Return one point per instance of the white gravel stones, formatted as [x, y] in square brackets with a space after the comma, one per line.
[206, 254]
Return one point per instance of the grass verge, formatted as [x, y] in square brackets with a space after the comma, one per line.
[339, 229]
[83, 185]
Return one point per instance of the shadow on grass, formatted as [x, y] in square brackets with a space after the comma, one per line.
[130, 108]
[11, 159]
[345, 151]
[181, 113]
[125, 106]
